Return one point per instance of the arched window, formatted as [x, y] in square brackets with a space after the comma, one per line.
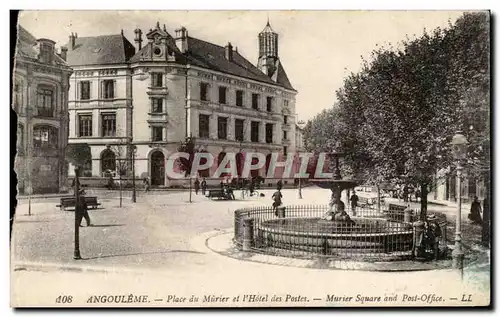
[108, 161]
[45, 101]
[20, 136]
[240, 161]
[220, 158]
[45, 136]
[204, 172]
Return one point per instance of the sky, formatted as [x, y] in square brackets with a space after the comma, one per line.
[317, 48]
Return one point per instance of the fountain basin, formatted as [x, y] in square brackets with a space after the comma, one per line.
[367, 235]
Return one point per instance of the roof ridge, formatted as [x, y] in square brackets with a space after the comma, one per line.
[107, 35]
[207, 42]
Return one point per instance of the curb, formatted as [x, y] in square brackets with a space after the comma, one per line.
[310, 263]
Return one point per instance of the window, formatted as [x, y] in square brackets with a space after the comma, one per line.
[204, 91]
[157, 79]
[45, 136]
[204, 126]
[285, 151]
[285, 119]
[84, 125]
[157, 134]
[108, 89]
[108, 124]
[269, 104]
[239, 130]
[157, 105]
[222, 94]
[222, 128]
[17, 96]
[285, 103]
[255, 101]
[239, 98]
[84, 90]
[45, 99]
[285, 135]
[254, 133]
[269, 133]
[108, 161]
[20, 136]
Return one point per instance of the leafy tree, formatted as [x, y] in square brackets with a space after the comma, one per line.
[395, 118]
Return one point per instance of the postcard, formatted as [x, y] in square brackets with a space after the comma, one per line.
[251, 159]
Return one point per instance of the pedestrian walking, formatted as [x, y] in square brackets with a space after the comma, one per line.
[111, 184]
[146, 184]
[203, 186]
[81, 210]
[277, 196]
[475, 211]
[196, 186]
[280, 185]
[354, 202]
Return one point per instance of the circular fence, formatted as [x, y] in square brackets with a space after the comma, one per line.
[300, 231]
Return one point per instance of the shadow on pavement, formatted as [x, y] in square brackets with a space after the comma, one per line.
[141, 253]
[107, 225]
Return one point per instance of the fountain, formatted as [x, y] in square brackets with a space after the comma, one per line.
[308, 230]
[337, 212]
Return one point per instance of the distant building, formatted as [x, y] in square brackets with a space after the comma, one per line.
[299, 136]
[40, 99]
[155, 95]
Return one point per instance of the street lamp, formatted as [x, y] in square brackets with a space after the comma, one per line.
[133, 150]
[459, 148]
[300, 177]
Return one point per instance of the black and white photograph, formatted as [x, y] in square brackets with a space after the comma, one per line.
[258, 158]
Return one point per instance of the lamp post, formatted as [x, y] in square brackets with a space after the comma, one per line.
[458, 144]
[300, 180]
[133, 150]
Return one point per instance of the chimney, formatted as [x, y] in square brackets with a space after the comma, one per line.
[64, 52]
[181, 39]
[72, 38]
[229, 51]
[138, 39]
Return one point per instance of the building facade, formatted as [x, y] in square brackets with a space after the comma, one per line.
[40, 100]
[177, 86]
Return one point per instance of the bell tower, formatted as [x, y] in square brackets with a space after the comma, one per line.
[268, 50]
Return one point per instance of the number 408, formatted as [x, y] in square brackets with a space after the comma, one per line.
[64, 299]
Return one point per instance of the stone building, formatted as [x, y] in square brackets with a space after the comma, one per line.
[175, 86]
[40, 100]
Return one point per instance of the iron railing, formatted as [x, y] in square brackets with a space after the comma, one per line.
[301, 232]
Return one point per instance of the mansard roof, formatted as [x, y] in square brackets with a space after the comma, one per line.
[100, 50]
[27, 47]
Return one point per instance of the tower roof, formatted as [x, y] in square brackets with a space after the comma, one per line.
[268, 28]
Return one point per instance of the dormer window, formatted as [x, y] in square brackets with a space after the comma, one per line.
[46, 48]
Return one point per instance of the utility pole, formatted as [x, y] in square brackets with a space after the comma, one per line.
[133, 149]
[76, 253]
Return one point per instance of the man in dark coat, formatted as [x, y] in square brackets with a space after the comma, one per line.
[203, 186]
[196, 186]
[475, 211]
[81, 210]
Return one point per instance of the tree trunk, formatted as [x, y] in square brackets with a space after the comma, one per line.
[378, 198]
[485, 233]
[120, 179]
[423, 202]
